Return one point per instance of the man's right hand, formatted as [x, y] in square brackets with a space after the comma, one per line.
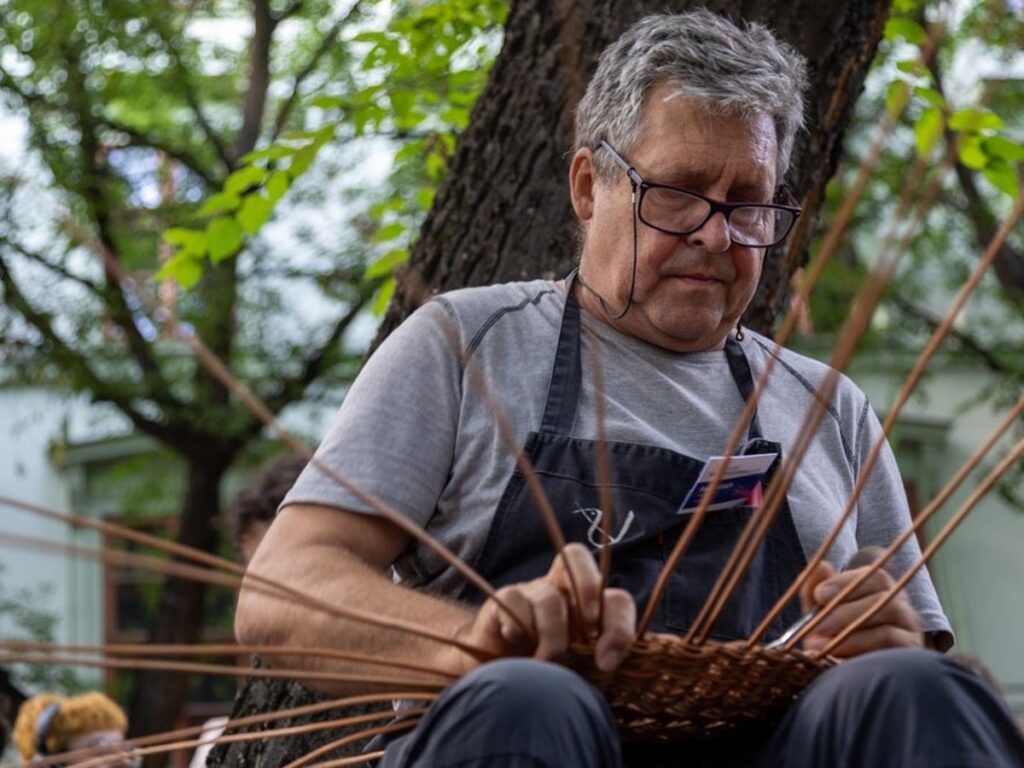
[547, 607]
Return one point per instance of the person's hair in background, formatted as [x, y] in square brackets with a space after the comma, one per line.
[49, 724]
[726, 69]
[253, 508]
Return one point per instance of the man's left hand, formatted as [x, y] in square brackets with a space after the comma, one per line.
[896, 625]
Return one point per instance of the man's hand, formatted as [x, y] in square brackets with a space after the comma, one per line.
[547, 607]
[896, 625]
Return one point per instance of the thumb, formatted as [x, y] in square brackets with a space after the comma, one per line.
[822, 572]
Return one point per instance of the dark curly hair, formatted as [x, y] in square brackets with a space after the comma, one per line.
[258, 501]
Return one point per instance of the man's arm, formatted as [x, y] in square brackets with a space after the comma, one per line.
[341, 558]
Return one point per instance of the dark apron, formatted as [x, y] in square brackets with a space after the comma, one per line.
[648, 486]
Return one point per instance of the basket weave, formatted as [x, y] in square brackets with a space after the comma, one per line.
[669, 691]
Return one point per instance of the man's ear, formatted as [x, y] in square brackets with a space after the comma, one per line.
[581, 183]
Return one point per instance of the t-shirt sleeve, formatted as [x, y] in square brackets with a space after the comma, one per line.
[394, 435]
[882, 515]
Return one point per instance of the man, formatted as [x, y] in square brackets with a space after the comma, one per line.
[683, 138]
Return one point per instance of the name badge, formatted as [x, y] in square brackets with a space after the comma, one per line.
[741, 483]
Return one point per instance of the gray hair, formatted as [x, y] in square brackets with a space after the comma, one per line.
[703, 57]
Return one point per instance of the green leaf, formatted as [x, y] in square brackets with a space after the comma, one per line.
[384, 294]
[225, 238]
[456, 116]
[911, 67]
[388, 232]
[896, 98]
[188, 241]
[302, 160]
[974, 120]
[1000, 146]
[183, 268]
[425, 197]
[387, 263]
[254, 213]
[1004, 177]
[930, 95]
[222, 202]
[329, 102]
[436, 166]
[243, 178]
[972, 154]
[928, 131]
[410, 150]
[273, 152]
[277, 186]
[908, 29]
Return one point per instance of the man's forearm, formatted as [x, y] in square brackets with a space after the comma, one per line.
[341, 579]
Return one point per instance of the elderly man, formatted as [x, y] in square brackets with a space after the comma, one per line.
[683, 137]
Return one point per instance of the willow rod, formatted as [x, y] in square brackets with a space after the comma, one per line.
[854, 328]
[208, 576]
[308, 709]
[955, 482]
[326, 749]
[218, 670]
[220, 649]
[920, 365]
[1009, 460]
[831, 241]
[295, 730]
[220, 371]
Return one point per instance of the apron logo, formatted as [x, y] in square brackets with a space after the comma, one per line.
[594, 516]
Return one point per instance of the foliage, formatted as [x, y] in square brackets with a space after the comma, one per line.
[420, 78]
[946, 108]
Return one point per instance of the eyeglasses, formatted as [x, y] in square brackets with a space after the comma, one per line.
[678, 211]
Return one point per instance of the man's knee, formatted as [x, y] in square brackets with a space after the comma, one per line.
[512, 689]
[514, 712]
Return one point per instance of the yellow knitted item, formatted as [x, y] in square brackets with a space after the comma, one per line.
[78, 716]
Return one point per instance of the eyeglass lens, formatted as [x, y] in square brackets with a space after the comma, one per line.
[677, 211]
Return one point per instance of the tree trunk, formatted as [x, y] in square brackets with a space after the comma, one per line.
[504, 213]
[157, 697]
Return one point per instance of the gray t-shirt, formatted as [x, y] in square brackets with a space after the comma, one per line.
[418, 431]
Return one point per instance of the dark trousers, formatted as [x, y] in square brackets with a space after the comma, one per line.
[895, 709]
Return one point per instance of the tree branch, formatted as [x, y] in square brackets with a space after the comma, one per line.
[293, 388]
[325, 45]
[183, 156]
[966, 340]
[38, 258]
[259, 78]
[1009, 263]
[78, 365]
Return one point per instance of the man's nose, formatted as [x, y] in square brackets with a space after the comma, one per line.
[713, 236]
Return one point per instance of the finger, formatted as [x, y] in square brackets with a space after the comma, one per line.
[898, 612]
[879, 581]
[867, 640]
[510, 630]
[618, 629]
[587, 578]
[822, 572]
[550, 617]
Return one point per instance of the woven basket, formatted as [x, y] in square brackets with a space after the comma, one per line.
[668, 691]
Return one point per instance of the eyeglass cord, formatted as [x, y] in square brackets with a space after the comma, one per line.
[632, 278]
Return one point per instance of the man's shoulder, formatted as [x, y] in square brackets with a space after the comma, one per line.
[801, 370]
[521, 304]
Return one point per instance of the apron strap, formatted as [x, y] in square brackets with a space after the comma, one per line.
[739, 366]
[564, 388]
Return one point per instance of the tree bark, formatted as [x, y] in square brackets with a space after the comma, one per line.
[157, 697]
[504, 214]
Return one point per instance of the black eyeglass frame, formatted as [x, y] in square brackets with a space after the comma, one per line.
[714, 206]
